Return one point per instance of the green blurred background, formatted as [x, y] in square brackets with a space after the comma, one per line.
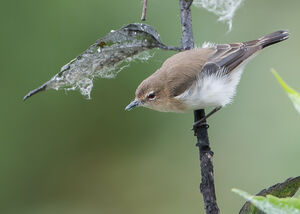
[61, 153]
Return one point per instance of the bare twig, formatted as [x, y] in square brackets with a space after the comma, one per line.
[143, 18]
[207, 186]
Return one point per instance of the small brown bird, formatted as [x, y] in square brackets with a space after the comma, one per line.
[201, 77]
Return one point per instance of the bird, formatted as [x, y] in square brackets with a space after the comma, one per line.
[201, 77]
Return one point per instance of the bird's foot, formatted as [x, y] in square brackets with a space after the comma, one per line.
[202, 121]
[198, 124]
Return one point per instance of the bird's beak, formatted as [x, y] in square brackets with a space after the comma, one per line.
[133, 104]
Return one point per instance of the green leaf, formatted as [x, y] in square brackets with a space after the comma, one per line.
[285, 189]
[288, 188]
[293, 95]
[271, 204]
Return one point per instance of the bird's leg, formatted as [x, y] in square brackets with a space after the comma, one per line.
[201, 122]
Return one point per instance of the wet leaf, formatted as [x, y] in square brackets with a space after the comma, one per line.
[285, 189]
[105, 58]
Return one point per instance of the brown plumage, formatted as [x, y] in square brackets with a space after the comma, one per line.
[200, 77]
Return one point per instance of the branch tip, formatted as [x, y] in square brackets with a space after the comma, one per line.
[143, 18]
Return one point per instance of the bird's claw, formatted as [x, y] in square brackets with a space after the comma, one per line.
[198, 124]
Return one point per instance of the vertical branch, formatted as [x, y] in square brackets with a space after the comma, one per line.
[187, 41]
[143, 18]
[207, 186]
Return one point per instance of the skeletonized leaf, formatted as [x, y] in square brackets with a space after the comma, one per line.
[292, 94]
[105, 58]
[225, 9]
[285, 189]
[271, 204]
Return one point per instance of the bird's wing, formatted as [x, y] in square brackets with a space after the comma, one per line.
[183, 69]
[221, 60]
[228, 56]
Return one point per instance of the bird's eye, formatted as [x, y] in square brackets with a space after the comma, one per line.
[151, 96]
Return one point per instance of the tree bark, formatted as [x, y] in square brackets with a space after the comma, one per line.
[207, 186]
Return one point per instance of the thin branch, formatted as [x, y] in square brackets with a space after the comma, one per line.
[207, 186]
[143, 18]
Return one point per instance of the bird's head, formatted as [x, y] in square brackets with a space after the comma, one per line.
[149, 94]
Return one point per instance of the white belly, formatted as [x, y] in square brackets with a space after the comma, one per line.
[211, 90]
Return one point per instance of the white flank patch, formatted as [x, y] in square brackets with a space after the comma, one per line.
[212, 90]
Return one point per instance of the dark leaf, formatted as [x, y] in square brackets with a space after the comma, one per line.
[105, 58]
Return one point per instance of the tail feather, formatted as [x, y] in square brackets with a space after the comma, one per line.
[273, 38]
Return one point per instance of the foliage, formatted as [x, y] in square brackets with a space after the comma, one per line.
[271, 204]
[281, 190]
[292, 94]
[105, 58]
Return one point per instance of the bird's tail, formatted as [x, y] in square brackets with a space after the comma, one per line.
[273, 38]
